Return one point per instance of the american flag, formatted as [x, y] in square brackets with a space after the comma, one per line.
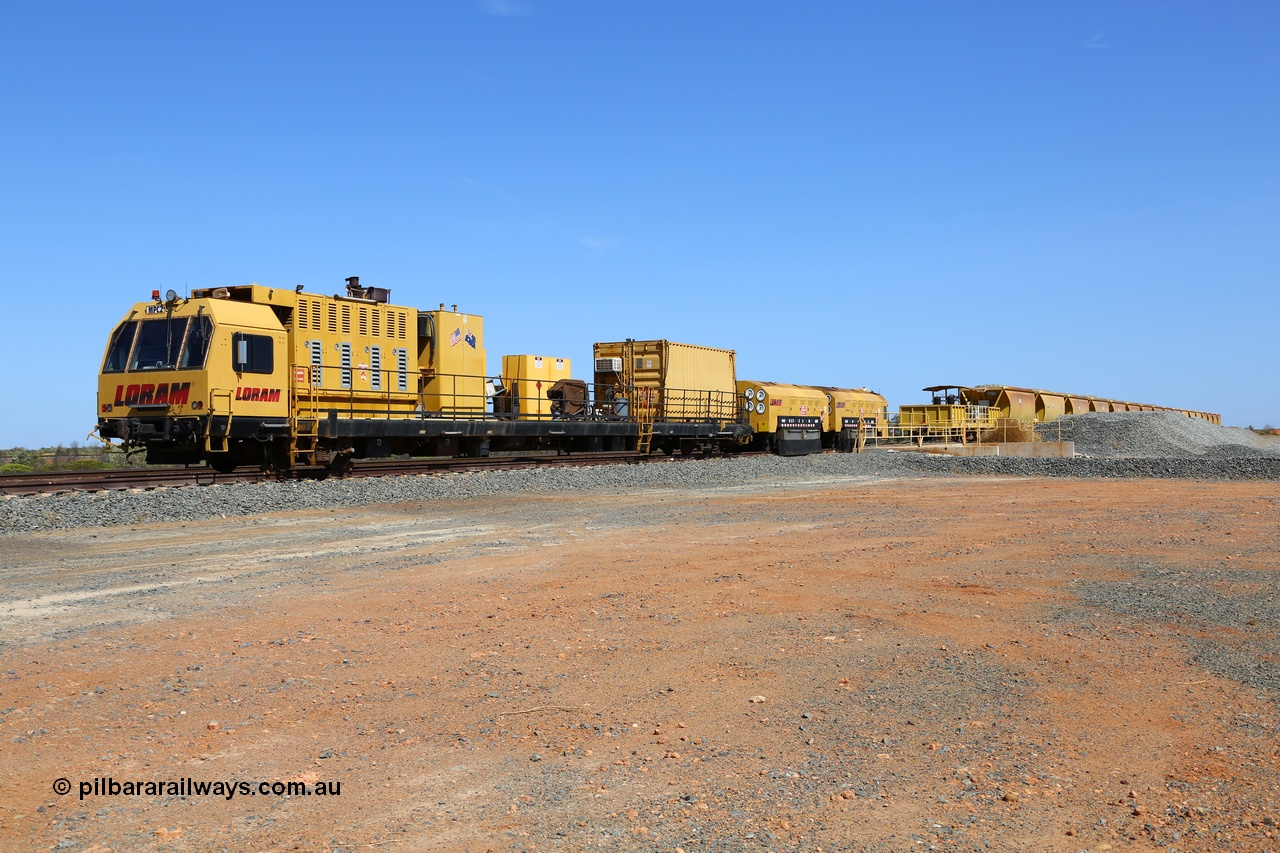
[455, 338]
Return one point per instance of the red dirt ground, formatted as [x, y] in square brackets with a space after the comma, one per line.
[946, 664]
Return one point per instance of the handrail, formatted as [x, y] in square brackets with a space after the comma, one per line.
[457, 400]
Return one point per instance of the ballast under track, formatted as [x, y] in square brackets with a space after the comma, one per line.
[54, 482]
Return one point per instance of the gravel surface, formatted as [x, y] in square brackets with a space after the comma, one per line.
[1210, 468]
[1233, 614]
[972, 664]
[1157, 445]
[1163, 435]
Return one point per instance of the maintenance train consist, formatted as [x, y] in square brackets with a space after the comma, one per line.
[253, 375]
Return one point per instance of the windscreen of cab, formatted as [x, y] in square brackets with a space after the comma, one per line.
[172, 343]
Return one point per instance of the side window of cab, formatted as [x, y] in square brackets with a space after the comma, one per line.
[252, 353]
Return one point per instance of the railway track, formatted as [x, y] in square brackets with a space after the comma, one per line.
[55, 482]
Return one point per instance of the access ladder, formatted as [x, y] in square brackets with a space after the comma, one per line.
[644, 419]
[304, 429]
[211, 441]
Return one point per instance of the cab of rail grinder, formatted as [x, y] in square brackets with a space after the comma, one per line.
[197, 379]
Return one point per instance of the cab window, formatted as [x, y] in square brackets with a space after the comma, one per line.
[121, 343]
[251, 353]
[197, 345]
[158, 344]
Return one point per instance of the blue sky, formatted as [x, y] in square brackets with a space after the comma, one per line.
[1076, 196]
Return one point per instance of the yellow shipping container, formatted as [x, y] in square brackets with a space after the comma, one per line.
[682, 382]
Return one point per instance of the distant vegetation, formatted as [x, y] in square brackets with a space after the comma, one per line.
[18, 460]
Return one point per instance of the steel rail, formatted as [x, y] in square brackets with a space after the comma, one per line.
[55, 482]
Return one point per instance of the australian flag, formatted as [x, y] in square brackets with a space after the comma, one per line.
[471, 339]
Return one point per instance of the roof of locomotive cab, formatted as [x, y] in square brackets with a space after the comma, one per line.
[252, 293]
[254, 315]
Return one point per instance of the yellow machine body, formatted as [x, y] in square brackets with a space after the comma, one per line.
[856, 408]
[775, 405]
[451, 357]
[528, 378]
[232, 370]
[353, 356]
[954, 415]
